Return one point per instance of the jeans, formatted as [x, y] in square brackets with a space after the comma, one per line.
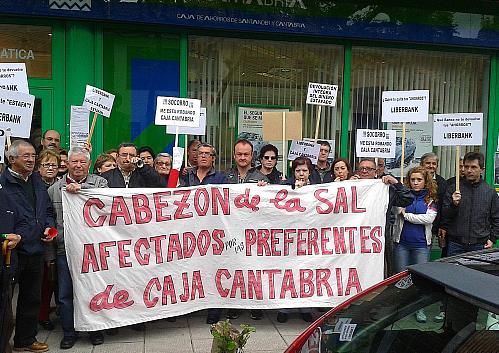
[404, 256]
[29, 277]
[65, 296]
[456, 248]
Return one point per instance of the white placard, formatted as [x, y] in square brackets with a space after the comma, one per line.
[405, 106]
[332, 143]
[177, 111]
[2, 145]
[376, 143]
[195, 131]
[462, 129]
[307, 149]
[98, 101]
[16, 112]
[78, 128]
[13, 77]
[322, 94]
[178, 157]
[342, 321]
[347, 332]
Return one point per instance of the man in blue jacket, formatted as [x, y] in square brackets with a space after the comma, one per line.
[34, 209]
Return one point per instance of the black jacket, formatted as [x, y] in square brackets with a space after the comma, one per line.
[476, 219]
[441, 188]
[144, 177]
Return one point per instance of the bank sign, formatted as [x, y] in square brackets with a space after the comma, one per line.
[303, 17]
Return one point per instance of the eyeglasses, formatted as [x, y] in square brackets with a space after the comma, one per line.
[166, 164]
[205, 154]
[28, 156]
[270, 157]
[366, 169]
[49, 165]
[124, 155]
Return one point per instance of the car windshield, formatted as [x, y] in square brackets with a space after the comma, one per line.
[411, 315]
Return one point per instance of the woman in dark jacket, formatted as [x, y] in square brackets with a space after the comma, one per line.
[268, 160]
[301, 170]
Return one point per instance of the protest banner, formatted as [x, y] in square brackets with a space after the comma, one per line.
[78, 127]
[404, 107]
[2, 145]
[176, 111]
[137, 255]
[308, 149]
[13, 77]
[461, 129]
[16, 112]
[375, 143]
[321, 94]
[98, 101]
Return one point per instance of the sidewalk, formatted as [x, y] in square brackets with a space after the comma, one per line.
[189, 334]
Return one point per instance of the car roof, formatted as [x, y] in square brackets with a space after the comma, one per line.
[468, 274]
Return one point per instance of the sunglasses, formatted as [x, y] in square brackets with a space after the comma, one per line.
[270, 157]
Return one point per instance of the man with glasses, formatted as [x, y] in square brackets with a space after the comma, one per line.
[322, 170]
[131, 171]
[28, 192]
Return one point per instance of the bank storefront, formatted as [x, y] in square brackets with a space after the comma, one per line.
[256, 55]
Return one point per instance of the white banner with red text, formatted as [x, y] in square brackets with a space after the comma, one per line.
[137, 255]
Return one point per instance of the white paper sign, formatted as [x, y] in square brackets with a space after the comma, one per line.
[16, 112]
[98, 101]
[347, 332]
[342, 321]
[462, 129]
[405, 106]
[376, 143]
[307, 149]
[322, 94]
[177, 111]
[332, 143]
[78, 128]
[2, 145]
[196, 131]
[178, 157]
[13, 77]
[170, 253]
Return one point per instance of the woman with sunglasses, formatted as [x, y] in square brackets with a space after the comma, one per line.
[268, 161]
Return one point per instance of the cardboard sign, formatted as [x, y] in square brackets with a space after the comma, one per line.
[98, 101]
[2, 145]
[405, 106]
[16, 112]
[165, 253]
[307, 149]
[462, 129]
[177, 111]
[332, 143]
[272, 126]
[178, 157]
[322, 94]
[78, 128]
[13, 77]
[376, 143]
[196, 131]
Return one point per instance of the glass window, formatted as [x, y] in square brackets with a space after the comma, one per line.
[458, 83]
[31, 45]
[227, 73]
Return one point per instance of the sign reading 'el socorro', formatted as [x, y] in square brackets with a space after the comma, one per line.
[185, 130]
[322, 94]
[177, 111]
[98, 101]
[405, 106]
[308, 149]
[461, 129]
[16, 112]
[13, 77]
[376, 143]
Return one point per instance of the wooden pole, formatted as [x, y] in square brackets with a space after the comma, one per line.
[284, 146]
[90, 134]
[318, 122]
[8, 140]
[403, 154]
[458, 171]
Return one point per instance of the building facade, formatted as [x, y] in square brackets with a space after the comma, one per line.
[241, 57]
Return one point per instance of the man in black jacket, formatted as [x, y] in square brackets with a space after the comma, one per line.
[471, 215]
[131, 172]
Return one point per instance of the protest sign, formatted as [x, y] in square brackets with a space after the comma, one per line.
[332, 143]
[322, 94]
[307, 149]
[195, 131]
[273, 126]
[177, 111]
[16, 112]
[405, 106]
[98, 101]
[143, 254]
[78, 128]
[462, 129]
[375, 143]
[13, 77]
[2, 145]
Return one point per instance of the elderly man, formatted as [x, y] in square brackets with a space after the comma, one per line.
[28, 192]
[131, 171]
[243, 172]
[76, 179]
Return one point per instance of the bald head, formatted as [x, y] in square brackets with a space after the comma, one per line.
[51, 139]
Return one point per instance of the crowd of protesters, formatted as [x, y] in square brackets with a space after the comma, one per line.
[422, 208]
